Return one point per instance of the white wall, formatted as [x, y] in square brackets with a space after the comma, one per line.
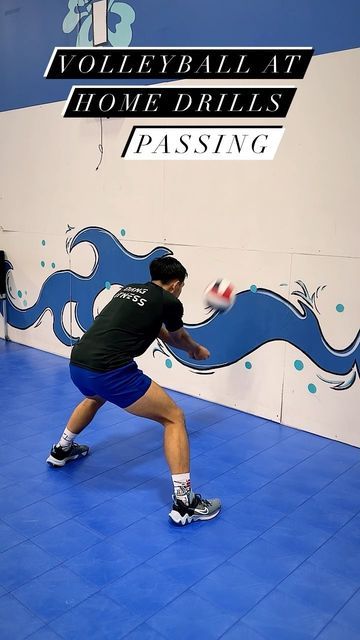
[264, 223]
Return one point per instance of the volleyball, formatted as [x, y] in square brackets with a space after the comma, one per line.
[220, 295]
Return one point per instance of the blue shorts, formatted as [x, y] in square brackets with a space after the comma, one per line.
[122, 386]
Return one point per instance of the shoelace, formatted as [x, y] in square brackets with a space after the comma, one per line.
[73, 445]
[203, 501]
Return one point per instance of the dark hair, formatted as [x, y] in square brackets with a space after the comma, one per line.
[166, 269]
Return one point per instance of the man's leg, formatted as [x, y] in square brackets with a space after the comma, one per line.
[66, 449]
[84, 413]
[157, 405]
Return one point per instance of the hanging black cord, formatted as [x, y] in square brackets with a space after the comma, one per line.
[100, 145]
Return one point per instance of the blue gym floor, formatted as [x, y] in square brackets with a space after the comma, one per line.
[87, 551]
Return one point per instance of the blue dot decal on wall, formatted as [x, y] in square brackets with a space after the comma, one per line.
[168, 363]
[248, 365]
[312, 388]
[299, 365]
[340, 308]
[253, 288]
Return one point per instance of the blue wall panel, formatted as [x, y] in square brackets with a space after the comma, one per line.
[29, 30]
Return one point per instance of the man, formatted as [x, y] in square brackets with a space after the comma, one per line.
[102, 367]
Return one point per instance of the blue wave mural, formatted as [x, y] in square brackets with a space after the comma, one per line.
[258, 316]
[113, 263]
[263, 316]
[120, 17]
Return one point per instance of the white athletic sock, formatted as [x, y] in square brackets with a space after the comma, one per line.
[66, 439]
[182, 487]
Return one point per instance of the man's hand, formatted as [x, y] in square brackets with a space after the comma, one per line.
[180, 339]
[199, 353]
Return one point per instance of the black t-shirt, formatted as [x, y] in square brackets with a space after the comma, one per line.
[127, 326]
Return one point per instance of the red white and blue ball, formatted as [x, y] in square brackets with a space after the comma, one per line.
[220, 295]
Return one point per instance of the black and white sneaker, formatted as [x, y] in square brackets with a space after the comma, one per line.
[59, 457]
[198, 509]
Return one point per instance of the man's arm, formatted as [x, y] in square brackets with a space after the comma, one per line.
[180, 339]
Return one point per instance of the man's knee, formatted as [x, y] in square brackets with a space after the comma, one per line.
[95, 402]
[175, 416]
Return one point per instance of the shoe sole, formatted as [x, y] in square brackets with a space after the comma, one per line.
[61, 463]
[181, 521]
